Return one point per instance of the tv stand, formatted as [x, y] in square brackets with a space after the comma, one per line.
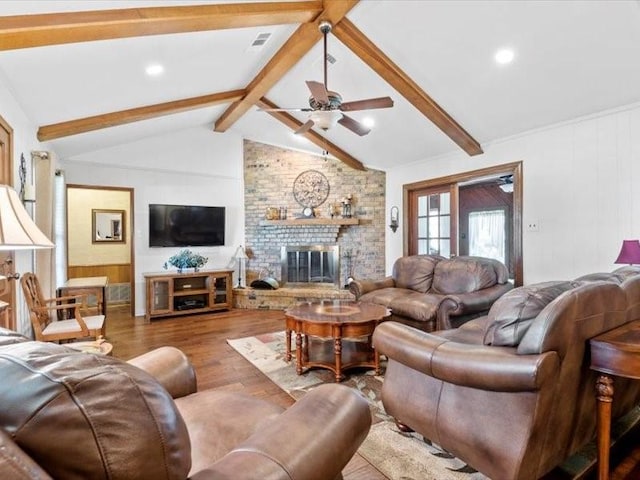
[173, 293]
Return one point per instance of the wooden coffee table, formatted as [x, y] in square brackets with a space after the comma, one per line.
[348, 324]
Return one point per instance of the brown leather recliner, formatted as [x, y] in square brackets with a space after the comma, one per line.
[510, 393]
[431, 292]
[67, 414]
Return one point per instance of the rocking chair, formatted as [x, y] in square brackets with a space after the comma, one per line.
[43, 314]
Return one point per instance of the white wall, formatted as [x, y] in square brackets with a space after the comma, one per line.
[190, 167]
[580, 186]
[24, 141]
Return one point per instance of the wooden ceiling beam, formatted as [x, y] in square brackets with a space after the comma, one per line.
[311, 135]
[364, 48]
[296, 47]
[122, 117]
[25, 31]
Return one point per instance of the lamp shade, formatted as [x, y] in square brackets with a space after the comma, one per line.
[17, 230]
[240, 254]
[629, 253]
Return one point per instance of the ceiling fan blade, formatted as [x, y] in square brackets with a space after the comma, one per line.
[304, 128]
[368, 104]
[285, 109]
[354, 125]
[318, 91]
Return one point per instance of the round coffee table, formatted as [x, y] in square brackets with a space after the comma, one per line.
[349, 324]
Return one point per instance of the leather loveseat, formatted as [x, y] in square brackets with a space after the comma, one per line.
[431, 292]
[72, 415]
[511, 393]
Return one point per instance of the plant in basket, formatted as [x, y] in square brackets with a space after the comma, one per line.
[186, 259]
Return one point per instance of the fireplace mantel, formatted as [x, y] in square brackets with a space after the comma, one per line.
[298, 222]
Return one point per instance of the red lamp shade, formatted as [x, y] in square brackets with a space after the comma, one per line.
[629, 253]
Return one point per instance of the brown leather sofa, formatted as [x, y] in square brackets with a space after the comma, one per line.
[510, 393]
[431, 292]
[72, 415]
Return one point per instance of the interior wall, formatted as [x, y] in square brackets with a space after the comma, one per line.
[24, 141]
[189, 167]
[579, 189]
[80, 205]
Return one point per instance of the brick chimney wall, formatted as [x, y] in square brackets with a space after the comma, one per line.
[269, 173]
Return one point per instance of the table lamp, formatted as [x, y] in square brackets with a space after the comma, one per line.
[17, 232]
[629, 252]
[241, 258]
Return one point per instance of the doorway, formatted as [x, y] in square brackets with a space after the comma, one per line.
[6, 178]
[472, 213]
[92, 252]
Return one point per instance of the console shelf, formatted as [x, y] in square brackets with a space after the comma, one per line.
[172, 293]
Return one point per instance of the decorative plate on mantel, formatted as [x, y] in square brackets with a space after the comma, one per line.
[310, 189]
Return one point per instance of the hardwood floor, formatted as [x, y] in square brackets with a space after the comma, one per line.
[203, 339]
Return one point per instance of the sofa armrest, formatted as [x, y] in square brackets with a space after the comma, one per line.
[465, 303]
[16, 464]
[477, 366]
[360, 287]
[171, 367]
[314, 439]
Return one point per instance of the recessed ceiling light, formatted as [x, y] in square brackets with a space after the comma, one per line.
[504, 56]
[368, 122]
[154, 70]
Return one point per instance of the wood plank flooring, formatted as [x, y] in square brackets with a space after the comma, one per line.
[203, 339]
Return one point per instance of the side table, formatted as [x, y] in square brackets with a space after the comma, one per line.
[614, 353]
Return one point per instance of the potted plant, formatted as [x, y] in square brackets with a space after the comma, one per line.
[186, 259]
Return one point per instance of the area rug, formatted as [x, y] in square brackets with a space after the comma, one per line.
[398, 455]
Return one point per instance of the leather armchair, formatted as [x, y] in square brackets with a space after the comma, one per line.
[71, 415]
[510, 393]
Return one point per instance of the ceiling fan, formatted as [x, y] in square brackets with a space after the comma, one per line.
[327, 107]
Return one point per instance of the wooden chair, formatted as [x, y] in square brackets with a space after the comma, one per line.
[43, 314]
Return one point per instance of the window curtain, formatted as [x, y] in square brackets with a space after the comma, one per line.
[487, 234]
[60, 227]
[43, 168]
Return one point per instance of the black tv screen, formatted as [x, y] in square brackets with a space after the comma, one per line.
[185, 226]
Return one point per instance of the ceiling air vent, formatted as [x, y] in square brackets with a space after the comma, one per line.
[259, 42]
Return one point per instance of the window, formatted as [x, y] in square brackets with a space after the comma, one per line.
[487, 234]
[434, 224]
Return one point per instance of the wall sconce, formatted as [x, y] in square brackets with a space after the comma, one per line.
[394, 219]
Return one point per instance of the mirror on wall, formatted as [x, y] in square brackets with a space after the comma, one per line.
[108, 226]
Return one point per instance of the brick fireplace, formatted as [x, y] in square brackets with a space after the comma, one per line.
[269, 174]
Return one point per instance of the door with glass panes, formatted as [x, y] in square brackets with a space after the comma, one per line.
[433, 224]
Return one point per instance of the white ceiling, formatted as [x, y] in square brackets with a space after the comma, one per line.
[573, 58]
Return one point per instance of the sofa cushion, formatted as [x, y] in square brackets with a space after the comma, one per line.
[384, 296]
[415, 272]
[512, 314]
[106, 418]
[417, 306]
[464, 275]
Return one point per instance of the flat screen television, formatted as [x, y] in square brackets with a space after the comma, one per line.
[186, 226]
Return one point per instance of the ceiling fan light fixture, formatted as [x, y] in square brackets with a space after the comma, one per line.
[326, 119]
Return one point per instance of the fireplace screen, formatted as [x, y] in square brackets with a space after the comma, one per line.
[310, 264]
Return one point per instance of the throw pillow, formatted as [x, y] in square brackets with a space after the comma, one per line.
[415, 272]
[512, 314]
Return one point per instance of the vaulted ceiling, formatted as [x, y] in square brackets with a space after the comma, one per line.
[77, 70]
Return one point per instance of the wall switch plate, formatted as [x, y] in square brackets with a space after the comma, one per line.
[533, 226]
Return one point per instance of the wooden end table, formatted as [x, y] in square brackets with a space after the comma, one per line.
[347, 323]
[613, 353]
